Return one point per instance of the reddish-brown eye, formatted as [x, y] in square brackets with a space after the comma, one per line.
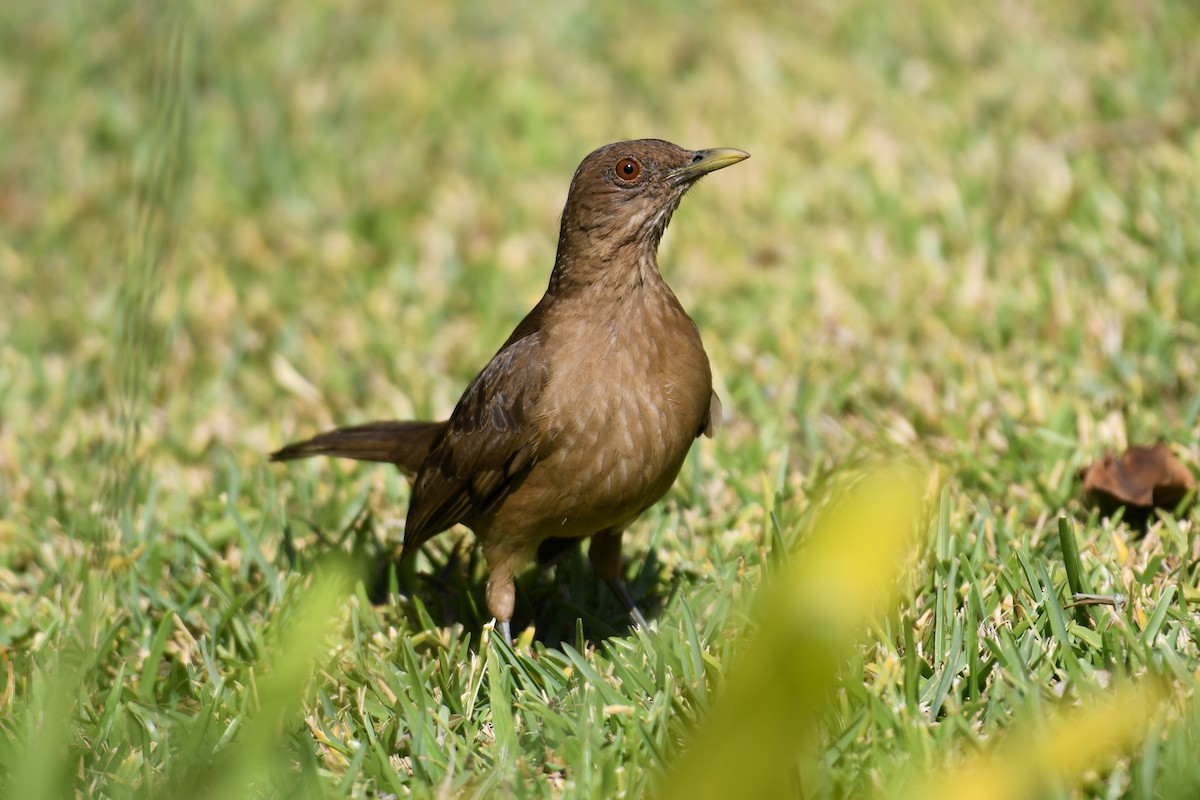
[627, 169]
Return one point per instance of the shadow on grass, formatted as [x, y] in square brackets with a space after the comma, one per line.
[564, 602]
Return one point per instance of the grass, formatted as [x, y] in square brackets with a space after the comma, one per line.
[967, 239]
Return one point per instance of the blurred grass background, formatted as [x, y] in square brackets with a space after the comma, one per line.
[967, 236]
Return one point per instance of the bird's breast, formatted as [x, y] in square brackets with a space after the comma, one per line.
[629, 389]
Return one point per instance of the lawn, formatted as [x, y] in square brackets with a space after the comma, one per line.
[961, 265]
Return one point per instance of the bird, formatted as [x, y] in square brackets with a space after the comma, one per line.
[582, 420]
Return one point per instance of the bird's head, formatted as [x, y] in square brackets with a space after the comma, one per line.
[622, 198]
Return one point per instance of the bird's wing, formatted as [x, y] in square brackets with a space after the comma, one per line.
[713, 420]
[490, 441]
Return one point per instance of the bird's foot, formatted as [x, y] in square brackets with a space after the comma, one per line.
[635, 615]
[622, 592]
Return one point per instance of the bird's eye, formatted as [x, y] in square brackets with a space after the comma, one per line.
[628, 169]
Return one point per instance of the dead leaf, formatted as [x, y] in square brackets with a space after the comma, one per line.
[1142, 478]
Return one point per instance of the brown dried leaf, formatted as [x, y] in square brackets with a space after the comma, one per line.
[1143, 477]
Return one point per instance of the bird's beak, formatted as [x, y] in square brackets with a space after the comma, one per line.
[706, 161]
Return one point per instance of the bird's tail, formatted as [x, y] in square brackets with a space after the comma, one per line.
[404, 444]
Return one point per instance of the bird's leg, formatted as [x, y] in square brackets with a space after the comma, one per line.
[502, 563]
[605, 555]
[501, 597]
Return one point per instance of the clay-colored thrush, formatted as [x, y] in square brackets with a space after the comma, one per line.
[583, 418]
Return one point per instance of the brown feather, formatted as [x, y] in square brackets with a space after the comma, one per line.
[405, 444]
[488, 443]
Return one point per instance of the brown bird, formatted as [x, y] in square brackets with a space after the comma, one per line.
[583, 418]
